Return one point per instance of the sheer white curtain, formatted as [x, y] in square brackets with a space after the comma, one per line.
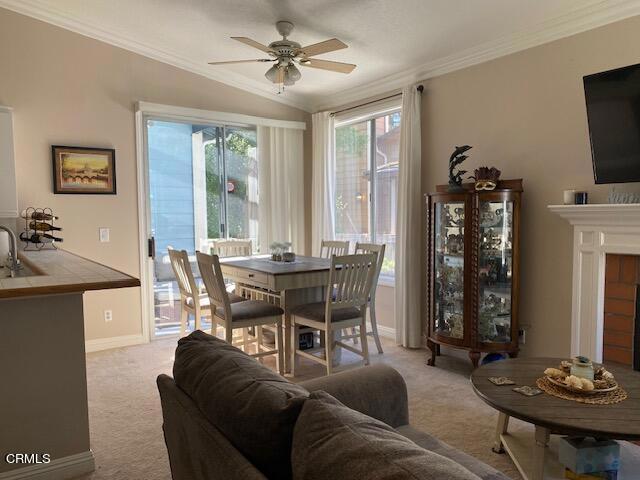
[281, 187]
[409, 224]
[323, 182]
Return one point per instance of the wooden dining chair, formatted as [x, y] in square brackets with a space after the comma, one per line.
[240, 315]
[231, 248]
[333, 247]
[348, 290]
[379, 251]
[192, 300]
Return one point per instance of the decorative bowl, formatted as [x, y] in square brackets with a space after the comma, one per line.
[559, 383]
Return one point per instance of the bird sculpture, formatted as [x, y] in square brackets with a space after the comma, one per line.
[455, 160]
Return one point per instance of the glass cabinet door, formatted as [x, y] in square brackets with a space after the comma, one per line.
[448, 274]
[495, 271]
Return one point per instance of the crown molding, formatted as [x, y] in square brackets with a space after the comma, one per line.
[59, 18]
[593, 15]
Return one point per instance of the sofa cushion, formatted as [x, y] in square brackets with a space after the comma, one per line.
[254, 407]
[333, 441]
[431, 443]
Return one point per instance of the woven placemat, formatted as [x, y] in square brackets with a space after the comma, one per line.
[605, 398]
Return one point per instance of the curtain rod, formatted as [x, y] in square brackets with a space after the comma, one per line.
[420, 88]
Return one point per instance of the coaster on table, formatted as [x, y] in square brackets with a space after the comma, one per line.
[501, 381]
[528, 391]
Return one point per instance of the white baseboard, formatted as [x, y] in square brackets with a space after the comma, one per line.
[58, 469]
[113, 342]
[386, 332]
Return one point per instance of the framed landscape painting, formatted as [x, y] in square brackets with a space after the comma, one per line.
[80, 170]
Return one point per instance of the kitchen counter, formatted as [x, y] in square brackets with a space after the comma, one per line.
[43, 406]
[58, 271]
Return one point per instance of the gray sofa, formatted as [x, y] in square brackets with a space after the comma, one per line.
[225, 416]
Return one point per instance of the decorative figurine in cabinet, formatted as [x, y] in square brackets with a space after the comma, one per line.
[473, 269]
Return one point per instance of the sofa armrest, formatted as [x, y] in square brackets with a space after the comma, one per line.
[378, 391]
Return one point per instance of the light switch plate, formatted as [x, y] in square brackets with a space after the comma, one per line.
[104, 235]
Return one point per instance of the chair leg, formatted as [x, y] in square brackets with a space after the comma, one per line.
[258, 330]
[228, 333]
[245, 340]
[279, 346]
[328, 342]
[295, 344]
[184, 319]
[374, 327]
[198, 322]
[353, 332]
[363, 339]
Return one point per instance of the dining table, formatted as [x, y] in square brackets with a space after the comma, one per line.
[301, 281]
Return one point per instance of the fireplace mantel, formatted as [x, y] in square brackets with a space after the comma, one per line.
[600, 214]
[597, 230]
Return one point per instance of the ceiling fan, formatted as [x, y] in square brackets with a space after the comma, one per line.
[285, 54]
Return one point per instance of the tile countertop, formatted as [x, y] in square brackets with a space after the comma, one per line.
[58, 271]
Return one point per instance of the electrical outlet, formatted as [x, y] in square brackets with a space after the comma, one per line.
[108, 315]
[522, 335]
[104, 235]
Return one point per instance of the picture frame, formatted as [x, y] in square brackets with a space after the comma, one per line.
[83, 170]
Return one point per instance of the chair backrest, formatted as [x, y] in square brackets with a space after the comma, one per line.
[231, 248]
[379, 251]
[350, 280]
[182, 271]
[213, 280]
[328, 248]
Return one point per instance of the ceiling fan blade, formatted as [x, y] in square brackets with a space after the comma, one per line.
[329, 65]
[323, 47]
[253, 43]
[243, 61]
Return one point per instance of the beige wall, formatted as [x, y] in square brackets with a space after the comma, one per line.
[71, 90]
[525, 114]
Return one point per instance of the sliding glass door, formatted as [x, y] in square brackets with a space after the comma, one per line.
[203, 186]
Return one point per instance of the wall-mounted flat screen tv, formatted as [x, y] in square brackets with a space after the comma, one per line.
[613, 110]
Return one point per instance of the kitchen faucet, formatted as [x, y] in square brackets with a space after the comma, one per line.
[13, 245]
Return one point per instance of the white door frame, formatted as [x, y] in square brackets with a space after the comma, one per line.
[156, 111]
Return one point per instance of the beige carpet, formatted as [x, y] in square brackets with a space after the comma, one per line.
[125, 416]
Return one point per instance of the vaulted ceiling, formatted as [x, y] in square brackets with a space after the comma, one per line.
[391, 41]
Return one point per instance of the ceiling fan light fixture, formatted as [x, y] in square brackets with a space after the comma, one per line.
[293, 73]
[272, 73]
[288, 54]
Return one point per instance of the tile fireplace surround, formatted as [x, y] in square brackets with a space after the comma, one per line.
[622, 277]
[598, 230]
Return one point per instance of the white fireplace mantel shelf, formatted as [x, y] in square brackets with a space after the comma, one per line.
[597, 231]
[600, 214]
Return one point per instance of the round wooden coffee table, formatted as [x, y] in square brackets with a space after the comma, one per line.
[552, 415]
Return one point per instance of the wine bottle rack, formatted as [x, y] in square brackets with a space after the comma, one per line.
[34, 220]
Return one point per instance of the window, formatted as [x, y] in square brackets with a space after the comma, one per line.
[367, 154]
[232, 184]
